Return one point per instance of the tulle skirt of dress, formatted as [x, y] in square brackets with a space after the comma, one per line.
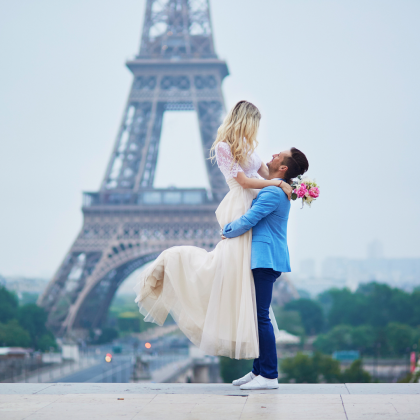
[210, 295]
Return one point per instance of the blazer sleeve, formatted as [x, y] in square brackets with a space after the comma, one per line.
[266, 202]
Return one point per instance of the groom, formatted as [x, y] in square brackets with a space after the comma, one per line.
[268, 218]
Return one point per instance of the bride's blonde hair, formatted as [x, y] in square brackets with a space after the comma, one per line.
[239, 130]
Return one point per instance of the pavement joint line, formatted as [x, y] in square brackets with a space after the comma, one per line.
[135, 414]
[29, 415]
[49, 385]
[344, 408]
[347, 389]
[244, 405]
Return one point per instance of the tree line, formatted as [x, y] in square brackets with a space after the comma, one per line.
[23, 325]
[376, 319]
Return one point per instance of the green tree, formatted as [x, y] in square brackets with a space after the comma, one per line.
[13, 335]
[129, 321]
[338, 338]
[310, 369]
[413, 378]
[363, 339]
[108, 335]
[46, 342]
[132, 321]
[310, 312]
[289, 321]
[323, 344]
[385, 304]
[33, 318]
[8, 305]
[328, 368]
[415, 304]
[372, 304]
[344, 307]
[356, 374]
[400, 338]
[231, 369]
[299, 369]
[28, 297]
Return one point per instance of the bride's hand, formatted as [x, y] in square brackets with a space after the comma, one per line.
[287, 188]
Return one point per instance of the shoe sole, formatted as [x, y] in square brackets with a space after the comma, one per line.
[256, 389]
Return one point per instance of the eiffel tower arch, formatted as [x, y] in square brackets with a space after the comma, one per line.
[128, 222]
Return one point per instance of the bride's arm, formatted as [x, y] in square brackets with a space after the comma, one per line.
[258, 184]
[263, 171]
[224, 161]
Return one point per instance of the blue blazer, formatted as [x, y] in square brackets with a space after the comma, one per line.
[268, 218]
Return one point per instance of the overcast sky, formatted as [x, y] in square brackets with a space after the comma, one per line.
[337, 79]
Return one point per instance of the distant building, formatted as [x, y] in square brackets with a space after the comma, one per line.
[307, 268]
[21, 285]
[14, 353]
[340, 272]
[315, 285]
[403, 273]
[284, 291]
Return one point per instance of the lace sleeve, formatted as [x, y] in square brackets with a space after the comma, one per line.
[224, 161]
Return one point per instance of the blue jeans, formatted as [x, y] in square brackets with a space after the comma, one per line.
[266, 364]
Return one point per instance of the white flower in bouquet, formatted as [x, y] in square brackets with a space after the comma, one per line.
[306, 189]
[308, 200]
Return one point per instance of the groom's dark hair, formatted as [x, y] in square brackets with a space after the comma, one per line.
[297, 164]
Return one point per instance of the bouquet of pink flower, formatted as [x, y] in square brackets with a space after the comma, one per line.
[306, 189]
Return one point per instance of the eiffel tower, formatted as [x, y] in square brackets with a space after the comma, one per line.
[128, 222]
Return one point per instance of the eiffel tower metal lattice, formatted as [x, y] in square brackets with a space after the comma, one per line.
[128, 222]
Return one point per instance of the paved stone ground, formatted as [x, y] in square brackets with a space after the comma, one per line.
[208, 402]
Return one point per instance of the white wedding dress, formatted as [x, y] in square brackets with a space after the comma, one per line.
[210, 295]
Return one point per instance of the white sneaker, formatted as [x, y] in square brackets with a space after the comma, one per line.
[259, 382]
[244, 380]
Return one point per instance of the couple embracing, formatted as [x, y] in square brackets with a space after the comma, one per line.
[221, 299]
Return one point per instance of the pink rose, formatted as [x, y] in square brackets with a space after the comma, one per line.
[314, 192]
[302, 191]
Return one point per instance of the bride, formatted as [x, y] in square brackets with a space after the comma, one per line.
[211, 295]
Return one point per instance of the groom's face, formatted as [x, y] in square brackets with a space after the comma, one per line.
[276, 163]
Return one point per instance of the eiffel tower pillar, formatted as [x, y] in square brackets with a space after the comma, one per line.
[128, 222]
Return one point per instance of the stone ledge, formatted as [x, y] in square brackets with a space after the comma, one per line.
[209, 389]
[70, 401]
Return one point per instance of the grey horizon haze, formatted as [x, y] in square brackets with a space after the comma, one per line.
[337, 79]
